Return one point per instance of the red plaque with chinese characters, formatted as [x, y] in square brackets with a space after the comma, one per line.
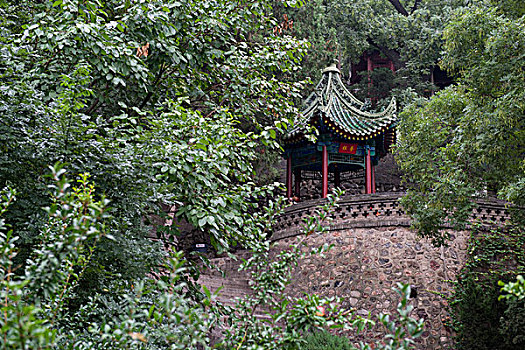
[349, 148]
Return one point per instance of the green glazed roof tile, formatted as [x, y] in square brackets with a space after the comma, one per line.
[343, 112]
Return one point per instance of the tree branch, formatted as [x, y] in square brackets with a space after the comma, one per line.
[93, 106]
[392, 55]
[397, 5]
[154, 86]
[416, 4]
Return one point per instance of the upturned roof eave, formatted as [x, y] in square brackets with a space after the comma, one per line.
[336, 104]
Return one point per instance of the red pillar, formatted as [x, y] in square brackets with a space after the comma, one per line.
[325, 172]
[373, 178]
[297, 183]
[368, 170]
[289, 177]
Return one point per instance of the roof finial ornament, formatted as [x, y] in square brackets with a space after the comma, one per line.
[333, 67]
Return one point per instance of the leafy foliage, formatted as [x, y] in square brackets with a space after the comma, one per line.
[35, 303]
[325, 340]
[401, 331]
[513, 290]
[168, 102]
[408, 33]
[160, 101]
[152, 313]
[481, 319]
[467, 141]
[513, 324]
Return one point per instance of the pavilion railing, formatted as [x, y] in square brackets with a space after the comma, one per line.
[374, 210]
[346, 159]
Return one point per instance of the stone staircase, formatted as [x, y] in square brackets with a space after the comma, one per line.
[234, 284]
[230, 288]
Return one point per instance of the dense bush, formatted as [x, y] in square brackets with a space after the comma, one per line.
[481, 318]
[477, 312]
[512, 326]
[325, 340]
[163, 312]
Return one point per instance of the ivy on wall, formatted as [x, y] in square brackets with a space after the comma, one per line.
[479, 318]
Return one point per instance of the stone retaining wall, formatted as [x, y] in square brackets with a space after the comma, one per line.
[364, 265]
[373, 249]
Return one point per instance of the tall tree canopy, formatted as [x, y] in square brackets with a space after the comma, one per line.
[469, 139]
[409, 33]
[466, 141]
[160, 101]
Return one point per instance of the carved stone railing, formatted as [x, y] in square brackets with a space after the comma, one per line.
[374, 210]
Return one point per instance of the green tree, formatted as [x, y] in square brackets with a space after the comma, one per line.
[153, 313]
[468, 140]
[409, 33]
[160, 101]
[35, 310]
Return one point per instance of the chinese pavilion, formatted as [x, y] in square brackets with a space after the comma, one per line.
[348, 139]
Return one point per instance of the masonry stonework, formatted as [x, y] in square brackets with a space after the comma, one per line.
[364, 265]
[373, 248]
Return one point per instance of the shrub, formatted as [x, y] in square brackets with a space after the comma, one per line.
[512, 328]
[325, 340]
[167, 312]
[481, 318]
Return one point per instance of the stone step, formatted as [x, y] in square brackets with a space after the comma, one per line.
[213, 284]
[229, 288]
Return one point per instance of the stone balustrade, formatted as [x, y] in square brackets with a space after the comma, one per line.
[375, 210]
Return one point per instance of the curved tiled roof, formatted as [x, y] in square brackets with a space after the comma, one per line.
[342, 112]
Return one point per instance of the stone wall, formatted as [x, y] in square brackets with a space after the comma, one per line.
[373, 249]
[364, 265]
